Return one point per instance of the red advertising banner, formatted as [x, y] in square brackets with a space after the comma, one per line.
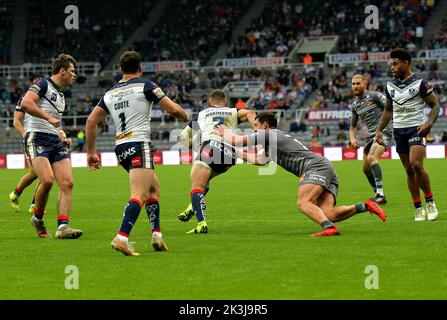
[158, 157]
[186, 157]
[319, 150]
[349, 154]
[2, 161]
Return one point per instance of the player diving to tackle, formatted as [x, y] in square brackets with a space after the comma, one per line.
[318, 188]
[215, 156]
[406, 96]
[129, 103]
[368, 106]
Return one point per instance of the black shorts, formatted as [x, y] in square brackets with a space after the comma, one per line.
[133, 155]
[39, 144]
[407, 137]
[217, 156]
[370, 141]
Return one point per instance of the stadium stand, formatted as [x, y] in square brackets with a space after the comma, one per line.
[5, 31]
[103, 27]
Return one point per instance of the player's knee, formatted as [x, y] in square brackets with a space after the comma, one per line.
[67, 184]
[409, 171]
[47, 182]
[372, 160]
[417, 166]
[302, 203]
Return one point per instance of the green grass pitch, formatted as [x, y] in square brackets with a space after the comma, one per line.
[258, 246]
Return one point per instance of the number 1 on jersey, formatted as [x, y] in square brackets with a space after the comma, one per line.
[122, 116]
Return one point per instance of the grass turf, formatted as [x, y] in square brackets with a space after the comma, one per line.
[258, 246]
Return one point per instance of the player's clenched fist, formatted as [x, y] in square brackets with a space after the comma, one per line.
[93, 161]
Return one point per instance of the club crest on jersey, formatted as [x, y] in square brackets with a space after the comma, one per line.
[392, 93]
[53, 97]
[412, 91]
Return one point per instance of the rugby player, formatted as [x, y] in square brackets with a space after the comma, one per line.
[45, 103]
[368, 106]
[129, 103]
[317, 191]
[215, 156]
[406, 96]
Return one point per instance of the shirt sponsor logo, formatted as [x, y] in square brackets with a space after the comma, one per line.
[136, 161]
[126, 153]
[124, 135]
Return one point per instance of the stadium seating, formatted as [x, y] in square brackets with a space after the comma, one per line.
[5, 31]
[102, 27]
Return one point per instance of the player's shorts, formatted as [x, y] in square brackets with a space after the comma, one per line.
[324, 175]
[47, 145]
[217, 156]
[370, 141]
[407, 137]
[134, 155]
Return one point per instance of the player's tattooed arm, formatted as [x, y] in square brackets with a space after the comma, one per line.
[387, 115]
[353, 130]
[433, 103]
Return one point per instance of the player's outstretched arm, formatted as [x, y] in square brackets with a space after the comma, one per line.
[258, 158]
[18, 123]
[174, 109]
[245, 115]
[29, 105]
[233, 139]
[432, 101]
[96, 117]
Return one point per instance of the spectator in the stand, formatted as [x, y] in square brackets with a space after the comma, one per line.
[343, 125]
[307, 59]
[314, 143]
[341, 138]
[444, 137]
[316, 131]
[302, 126]
[240, 104]
[80, 139]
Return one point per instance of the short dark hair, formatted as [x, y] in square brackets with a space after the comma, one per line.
[401, 54]
[218, 95]
[269, 118]
[34, 76]
[130, 61]
[62, 62]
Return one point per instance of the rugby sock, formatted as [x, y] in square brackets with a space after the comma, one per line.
[153, 212]
[18, 192]
[429, 198]
[131, 213]
[198, 203]
[361, 207]
[38, 214]
[417, 203]
[62, 220]
[327, 224]
[377, 172]
[369, 174]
